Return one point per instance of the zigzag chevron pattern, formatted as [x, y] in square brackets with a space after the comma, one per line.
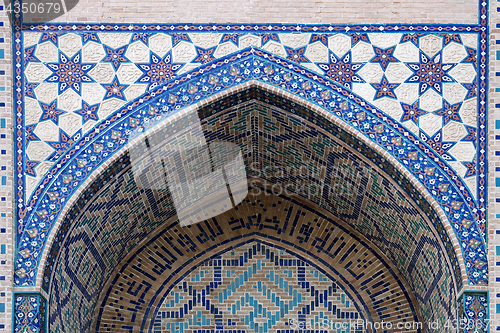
[254, 288]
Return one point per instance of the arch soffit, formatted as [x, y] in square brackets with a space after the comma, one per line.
[305, 254]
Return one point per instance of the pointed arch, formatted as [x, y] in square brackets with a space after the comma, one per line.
[296, 84]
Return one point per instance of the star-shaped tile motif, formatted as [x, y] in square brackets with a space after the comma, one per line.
[384, 56]
[471, 56]
[450, 112]
[52, 36]
[29, 89]
[90, 36]
[342, 70]
[268, 36]
[471, 168]
[437, 144]
[70, 72]
[179, 37]
[29, 55]
[115, 89]
[29, 135]
[430, 73]
[412, 37]
[142, 36]
[471, 134]
[51, 112]
[115, 56]
[233, 37]
[471, 89]
[448, 38]
[323, 38]
[357, 36]
[296, 55]
[204, 55]
[384, 89]
[30, 166]
[88, 112]
[411, 112]
[64, 143]
[159, 70]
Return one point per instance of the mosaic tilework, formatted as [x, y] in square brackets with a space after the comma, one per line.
[349, 267]
[473, 313]
[408, 252]
[58, 34]
[255, 288]
[30, 314]
[283, 167]
[427, 82]
[483, 11]
[237, 71]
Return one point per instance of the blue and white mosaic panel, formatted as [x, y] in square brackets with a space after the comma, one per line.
[425, 81]
[29, 313]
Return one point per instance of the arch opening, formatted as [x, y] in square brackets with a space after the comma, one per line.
[374, 205]
[473, 268]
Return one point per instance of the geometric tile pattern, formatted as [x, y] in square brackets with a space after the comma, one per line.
[366, 291]
[473, 313]
[427, 82]
[417, 254]
[30, 313]
[453, 203]
[255, 288]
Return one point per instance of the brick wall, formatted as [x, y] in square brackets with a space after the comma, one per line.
[6, 174]
[282, 11]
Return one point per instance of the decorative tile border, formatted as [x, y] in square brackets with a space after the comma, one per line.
[30, 313]
[257, 27]
[473, 313]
